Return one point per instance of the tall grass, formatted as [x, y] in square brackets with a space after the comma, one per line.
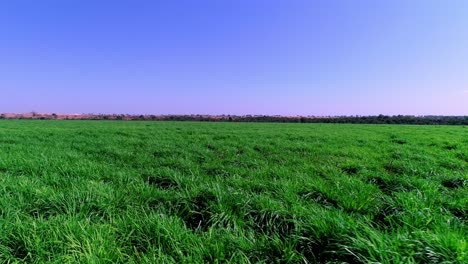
[168, 192]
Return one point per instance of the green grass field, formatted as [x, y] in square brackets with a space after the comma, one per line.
[168, 192]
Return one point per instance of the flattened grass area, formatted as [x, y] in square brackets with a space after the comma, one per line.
[169, 192]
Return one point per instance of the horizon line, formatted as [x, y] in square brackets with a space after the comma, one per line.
[34, 113]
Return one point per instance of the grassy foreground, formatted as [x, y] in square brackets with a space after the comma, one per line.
[163, 192]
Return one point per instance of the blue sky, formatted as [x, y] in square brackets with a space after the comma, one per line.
[288, 57]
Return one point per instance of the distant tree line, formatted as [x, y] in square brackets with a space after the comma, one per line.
[380, 119]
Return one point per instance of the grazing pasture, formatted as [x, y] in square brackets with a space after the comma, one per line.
[186, 192]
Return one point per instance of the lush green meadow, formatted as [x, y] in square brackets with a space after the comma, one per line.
[182, 192]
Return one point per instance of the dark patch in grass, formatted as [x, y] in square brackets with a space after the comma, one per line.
[379, 182]
[383, 185]
[463, 156]
[161, 182]
[319, 198]
[17, 248]
[44, 209]
[383, 219]
[399, 141]
[124, 134]
[296, 137]
[196, 213]
[221, 137]
[96, 212]
[199, 158]
[394, 168]
[214, 172]
[161, 153]
[361, 142]
[323, 174]
[264, 149]
[459, 213]
[389, 186]
[350, 169]
[211, 147]
[158, 203]
[259, 188]
[396, 155]
[314, 251]
[240, 151]
[43, 212]
[454, 183]
[450, 147]
[141, 244]
[16, 171]
[197, 220]
[323, 249]
[271, 222]
[7, 141]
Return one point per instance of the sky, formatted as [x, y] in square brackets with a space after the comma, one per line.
[272, 57]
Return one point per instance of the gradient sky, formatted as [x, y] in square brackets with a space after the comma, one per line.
[288, 57]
